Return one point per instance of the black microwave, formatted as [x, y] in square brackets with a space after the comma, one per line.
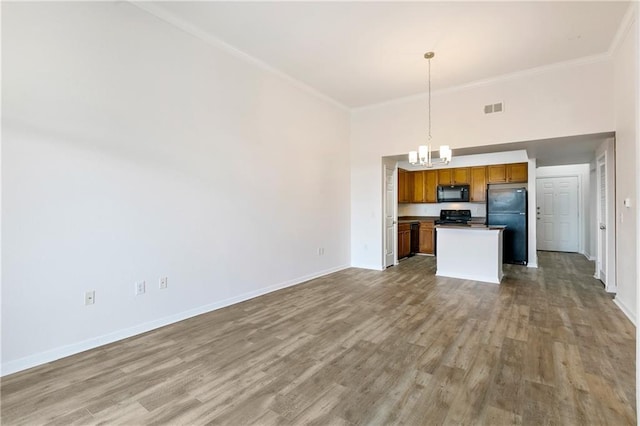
[453, 193]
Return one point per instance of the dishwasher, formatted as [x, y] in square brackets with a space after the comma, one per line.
[415, 238]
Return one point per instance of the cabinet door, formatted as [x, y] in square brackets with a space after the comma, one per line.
[417, 193]
[517, 172]
[461, 176]
[406, 243]
[426, 237]
[403, 186]
[497, 173]
[430, 186]
[478, 184]
[445, 177]
[404, 240]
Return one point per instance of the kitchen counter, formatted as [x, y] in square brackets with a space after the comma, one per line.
[409, 219]
[471, 252]
[474, 227]
[414, 219]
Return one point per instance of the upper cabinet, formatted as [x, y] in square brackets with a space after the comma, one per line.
[445, 176]
[518, 172]
[417, 190]
[461, 176]
[403, 186]
[423, 186]
[478, 190]
[430, 186]
[507, 173]
[457, 176]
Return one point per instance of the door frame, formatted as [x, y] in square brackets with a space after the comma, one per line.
[581, 208]
[603, 240]
[391, 165]
[606, 153]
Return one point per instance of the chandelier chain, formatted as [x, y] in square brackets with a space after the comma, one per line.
[429, 99]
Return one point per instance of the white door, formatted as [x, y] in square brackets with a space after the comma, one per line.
[557, 213]
[601, 182]
[389, 216]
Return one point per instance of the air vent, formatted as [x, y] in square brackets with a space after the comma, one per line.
[491, 108]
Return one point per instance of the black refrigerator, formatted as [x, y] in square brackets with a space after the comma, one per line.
[508, 206]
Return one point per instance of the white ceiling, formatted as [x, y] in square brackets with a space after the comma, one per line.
[362, 53]
[366, 52]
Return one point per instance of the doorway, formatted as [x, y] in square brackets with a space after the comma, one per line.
[557, 214]
[601, 208]
[389, 216]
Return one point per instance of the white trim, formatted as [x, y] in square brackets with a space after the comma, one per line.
[95, 342]
[204, 36]
[625, 310]
[625, 25]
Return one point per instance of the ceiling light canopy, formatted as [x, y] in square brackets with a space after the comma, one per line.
[422, 156]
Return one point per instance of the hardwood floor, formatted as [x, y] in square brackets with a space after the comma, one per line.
[547, 346]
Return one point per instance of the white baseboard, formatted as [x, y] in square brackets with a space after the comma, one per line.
[588, 256]
[625, 310]
[34, 360]
[371, 267]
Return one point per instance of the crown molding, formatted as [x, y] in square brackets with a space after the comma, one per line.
[199, 33]
[628, 19]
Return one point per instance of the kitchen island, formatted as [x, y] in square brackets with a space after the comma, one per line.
[470, 252]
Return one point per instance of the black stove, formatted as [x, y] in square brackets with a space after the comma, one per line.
[454, 217]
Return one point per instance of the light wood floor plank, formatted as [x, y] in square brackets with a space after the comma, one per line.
[401, 346]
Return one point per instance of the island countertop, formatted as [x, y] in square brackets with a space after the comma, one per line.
[473, 227]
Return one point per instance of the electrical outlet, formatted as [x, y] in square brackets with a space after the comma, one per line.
[320, 251]
[140, 287]
[90, 297]
[163, 282]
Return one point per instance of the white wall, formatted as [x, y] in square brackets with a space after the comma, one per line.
[570, 100]
[133, 150]
[581, 171]
[625, 78]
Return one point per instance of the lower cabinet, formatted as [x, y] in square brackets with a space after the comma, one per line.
[404, 240]
[426, 238]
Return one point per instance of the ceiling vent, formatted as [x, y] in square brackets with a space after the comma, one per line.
[491, 108]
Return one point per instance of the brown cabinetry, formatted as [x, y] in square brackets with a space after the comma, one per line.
[497, 173]
[417, 187]
[403, 186]
[457, 176]
[430, 186]
[423, 186]
[478, 190]
[404, 240]
[518, 172]
[426, 238]
[461, 176]
[445, 176]
[507, 173]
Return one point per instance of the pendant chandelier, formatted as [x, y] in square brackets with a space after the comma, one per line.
[422, 156]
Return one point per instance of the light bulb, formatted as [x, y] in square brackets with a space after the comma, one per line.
[413, 157]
